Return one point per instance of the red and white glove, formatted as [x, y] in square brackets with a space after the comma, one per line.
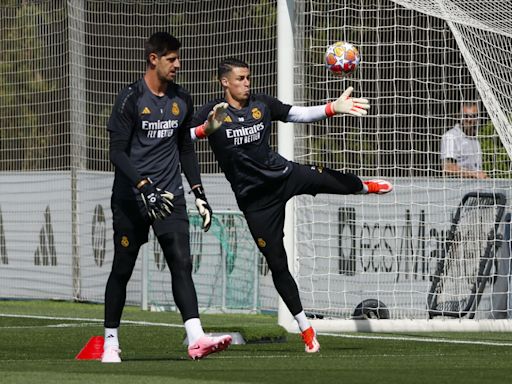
[347, 104]
[215, 119]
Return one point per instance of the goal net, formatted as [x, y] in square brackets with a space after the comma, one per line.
[226, 268]
[425, 252]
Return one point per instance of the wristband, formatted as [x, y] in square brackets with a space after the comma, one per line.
[200, 131]
[142, 183]
[199, 192]
[329, 110]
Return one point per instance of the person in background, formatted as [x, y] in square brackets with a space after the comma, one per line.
[461, 153]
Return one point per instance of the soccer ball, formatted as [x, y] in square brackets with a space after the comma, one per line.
[342, 58]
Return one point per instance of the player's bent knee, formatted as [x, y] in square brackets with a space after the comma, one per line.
[180, 265]
[277, 263]
[176, 249]
[123, 264]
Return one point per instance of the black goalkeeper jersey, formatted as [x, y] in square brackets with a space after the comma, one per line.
[241, 145]
[158, 132]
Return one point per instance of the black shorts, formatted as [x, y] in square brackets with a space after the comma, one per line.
[131, 225]
[265, 213]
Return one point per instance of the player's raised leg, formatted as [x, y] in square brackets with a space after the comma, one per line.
[312, 180]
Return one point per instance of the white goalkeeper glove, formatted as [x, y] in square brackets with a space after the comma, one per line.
[215, 119]
[203, 207]
[347, 104]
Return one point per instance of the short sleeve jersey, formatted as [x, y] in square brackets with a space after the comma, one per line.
[241, 145]
[152, 123]
[464, 149]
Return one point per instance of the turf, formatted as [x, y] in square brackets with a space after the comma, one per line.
[35, 350]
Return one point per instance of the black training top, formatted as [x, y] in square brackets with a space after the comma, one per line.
[149, 137]
[241, 145]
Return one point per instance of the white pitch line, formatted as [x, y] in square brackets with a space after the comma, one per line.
[74, 325]
[89, 320]
[420, 339]
[300, 355]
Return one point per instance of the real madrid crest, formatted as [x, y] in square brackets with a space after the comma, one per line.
[261, 243]
[175, 109]
[256, 113]
[125, 242]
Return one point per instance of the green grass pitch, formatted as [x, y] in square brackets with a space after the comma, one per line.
[39, 340]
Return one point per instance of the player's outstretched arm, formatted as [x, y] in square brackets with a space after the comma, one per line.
[344, 104]
[347, 104]
[212, 124]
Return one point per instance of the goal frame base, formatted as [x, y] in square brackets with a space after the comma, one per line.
[406, 325]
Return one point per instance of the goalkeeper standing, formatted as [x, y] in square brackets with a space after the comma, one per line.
[262, 180]
[149, 146]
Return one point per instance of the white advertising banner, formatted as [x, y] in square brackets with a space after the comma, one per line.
[35, 232]
[346, 246]
[36, 247]
[384, 247]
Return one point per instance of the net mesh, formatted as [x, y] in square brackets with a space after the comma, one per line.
[484, 36]
[226, 264]
[418, 67]
[469, 248]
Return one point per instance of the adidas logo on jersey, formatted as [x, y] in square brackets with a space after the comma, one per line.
[145, 111]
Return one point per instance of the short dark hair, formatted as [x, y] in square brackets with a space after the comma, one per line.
[228, 64]
[160, 43]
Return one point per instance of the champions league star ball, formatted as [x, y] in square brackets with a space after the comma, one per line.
[342, 58]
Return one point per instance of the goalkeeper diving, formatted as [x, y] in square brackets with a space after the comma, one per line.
[238, 128]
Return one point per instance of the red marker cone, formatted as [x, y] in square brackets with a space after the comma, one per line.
[92, 350]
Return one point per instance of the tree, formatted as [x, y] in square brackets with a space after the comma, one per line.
[495, 159]
[27, 132]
